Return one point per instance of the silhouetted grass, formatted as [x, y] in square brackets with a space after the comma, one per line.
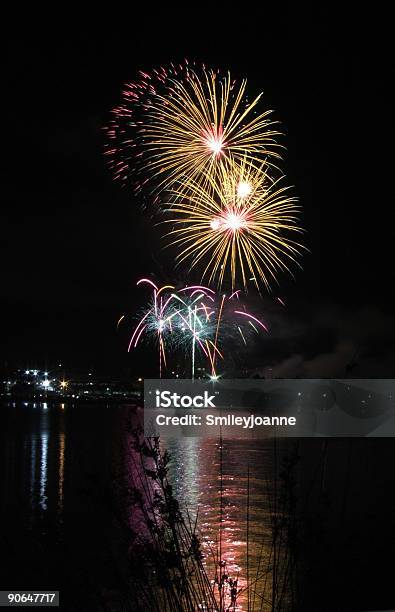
[166, 571]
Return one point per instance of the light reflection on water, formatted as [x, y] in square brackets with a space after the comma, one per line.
[43, 470]
[196, 474]
[57, 463]
[36, 429]
[62, 446]
[45, 447]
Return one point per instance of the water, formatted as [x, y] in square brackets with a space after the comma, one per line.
[58, 464]
[246, 484]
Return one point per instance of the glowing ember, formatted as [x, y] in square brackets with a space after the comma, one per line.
[230, 220]
[244, 189]
[215, 224]
[215, 145]
[234, 221]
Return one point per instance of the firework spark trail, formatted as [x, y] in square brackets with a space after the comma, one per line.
[190, 139]
[217, 329]
[188, 321]
[200, 125]
[167, 317]
[242, 232]
[185, 122]
[121, 318]
[193, 137]
[122, 150]
[246, 314]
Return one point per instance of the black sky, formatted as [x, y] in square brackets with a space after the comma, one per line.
[74, 243]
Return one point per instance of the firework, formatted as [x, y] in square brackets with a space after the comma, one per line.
[172, 320]
[122, 149]
[240, 226]
[200, 125]
[184, 124]
[193, 319]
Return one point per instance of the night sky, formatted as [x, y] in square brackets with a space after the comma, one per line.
[74, 243]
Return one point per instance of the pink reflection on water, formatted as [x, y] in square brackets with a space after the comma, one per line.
[140, 505]
[196, 472]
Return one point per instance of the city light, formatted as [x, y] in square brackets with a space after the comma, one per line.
[83, 387]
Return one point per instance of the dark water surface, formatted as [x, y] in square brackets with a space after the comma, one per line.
[59, 464]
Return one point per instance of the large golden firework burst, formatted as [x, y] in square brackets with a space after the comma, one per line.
[242, 223]
[200, 126]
